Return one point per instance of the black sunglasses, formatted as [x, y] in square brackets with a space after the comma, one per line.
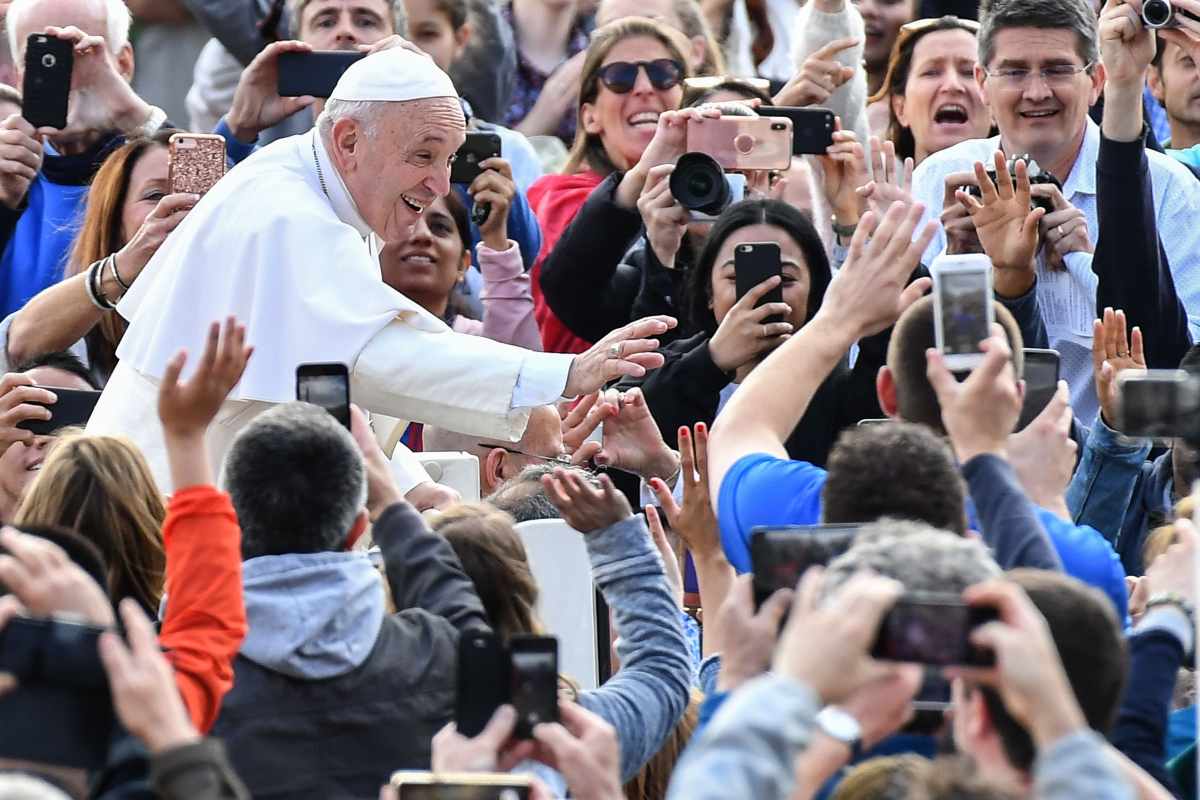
[620, 76]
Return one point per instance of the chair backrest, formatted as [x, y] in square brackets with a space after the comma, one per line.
[566, 599]
[459, 471]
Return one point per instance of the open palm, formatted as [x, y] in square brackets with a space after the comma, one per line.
[188, 407]
[1006, 227]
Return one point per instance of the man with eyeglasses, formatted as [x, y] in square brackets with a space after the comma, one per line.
[1040, 71]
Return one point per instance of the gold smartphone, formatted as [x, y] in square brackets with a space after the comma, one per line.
[743, 143]
[461, 786]
[197, 161]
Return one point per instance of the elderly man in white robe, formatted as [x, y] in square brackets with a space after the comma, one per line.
[288, 242]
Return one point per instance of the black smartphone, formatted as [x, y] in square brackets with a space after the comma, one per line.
[47, 85]
[534, 682]
[933, 629]
[61, 710]
[1041, 382]
[327, 386]
[780, 556]
[812, 127]
[74, 407]
[753, 263]
[479, 147]
[934, 694]
[313, 74]
[483, 681]
[1159, 403]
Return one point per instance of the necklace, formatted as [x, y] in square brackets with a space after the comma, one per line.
[317, 162]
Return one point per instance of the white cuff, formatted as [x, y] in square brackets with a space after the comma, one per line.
[542, 379]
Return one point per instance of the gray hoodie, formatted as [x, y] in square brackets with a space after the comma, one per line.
[311, 615]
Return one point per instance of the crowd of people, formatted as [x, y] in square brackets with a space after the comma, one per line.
[209, 589]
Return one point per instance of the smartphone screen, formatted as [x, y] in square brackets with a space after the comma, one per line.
[932, 630]
[779, 557]
[534, 681]
[1158, 403]
[327, 386]
[753, 263]
[1041, 382]
[963, 314]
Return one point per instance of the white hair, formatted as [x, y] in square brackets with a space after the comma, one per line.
[116, 30]
[366, 113]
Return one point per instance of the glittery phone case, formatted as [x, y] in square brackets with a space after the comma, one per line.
[197, 161]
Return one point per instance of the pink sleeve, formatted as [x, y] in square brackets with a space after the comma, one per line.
[507, 298]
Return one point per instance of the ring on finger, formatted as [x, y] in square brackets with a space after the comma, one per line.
[614, 351]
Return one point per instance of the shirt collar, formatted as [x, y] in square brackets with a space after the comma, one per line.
[335, 189]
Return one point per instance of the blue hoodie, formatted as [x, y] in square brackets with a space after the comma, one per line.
[312, 615]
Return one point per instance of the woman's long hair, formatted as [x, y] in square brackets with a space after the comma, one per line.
[587, 152]
[100, 236]
[698, 301]
[101, 488]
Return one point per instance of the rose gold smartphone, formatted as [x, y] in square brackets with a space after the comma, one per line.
[743, 143]
[197, 161]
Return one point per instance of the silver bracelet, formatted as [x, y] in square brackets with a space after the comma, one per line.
[112, 263]
[93, 289]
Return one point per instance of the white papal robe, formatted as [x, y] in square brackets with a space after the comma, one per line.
[279, 243]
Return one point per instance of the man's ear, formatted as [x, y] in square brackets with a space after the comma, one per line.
[462, 38]
[1155, 82]
[1099, 76]
[357, 529]
[125, 62]
[885, 390]
[346, 139]
[493, 469]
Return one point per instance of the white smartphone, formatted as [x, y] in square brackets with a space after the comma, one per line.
[962, 308]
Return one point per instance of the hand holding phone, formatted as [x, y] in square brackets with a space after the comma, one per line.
[1041, 382]
[326, 385]
[779, 556]
[812, 127]
[753, 263]
[197, 162]
[743, 143]
[70, 407]
[525, 674]
[933, 629]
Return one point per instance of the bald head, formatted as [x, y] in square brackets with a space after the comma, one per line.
[498, 460]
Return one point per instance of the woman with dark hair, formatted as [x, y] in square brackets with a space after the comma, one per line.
[128, 215]
[933, 99]
[702, 372]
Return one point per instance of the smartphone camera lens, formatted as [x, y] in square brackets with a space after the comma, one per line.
[49, 60]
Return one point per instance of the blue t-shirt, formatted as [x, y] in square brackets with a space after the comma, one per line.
[762, 489]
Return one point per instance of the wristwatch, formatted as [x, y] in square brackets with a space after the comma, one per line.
[838, 724]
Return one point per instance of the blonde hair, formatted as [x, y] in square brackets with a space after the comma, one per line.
[101, 487]
[652, 781]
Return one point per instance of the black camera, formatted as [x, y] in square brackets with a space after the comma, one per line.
[703, 188]
[1158, 14]
[1160, 404]
[1036, 176]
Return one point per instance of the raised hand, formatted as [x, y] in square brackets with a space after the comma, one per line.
[1006, 227]
[583, 506]
[743, 335]
[631, 440]
[381, 484]
[819, 77]
[187, 409]
[892, 182]
[143, 686]
[695, 521]
[1126, 45]
[257, 104]
[18, 394]
[494, 187]
[1043, 454]
[629, 350]
[670, 560]
[166, 216]
[1113, 353]
[580, 421]
[956, 220]
[845, 169]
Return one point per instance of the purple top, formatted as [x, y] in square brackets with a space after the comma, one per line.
[530, 80]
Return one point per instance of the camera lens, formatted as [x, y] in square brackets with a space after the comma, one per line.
[698, 183]
[1157, 13]
[48, 60]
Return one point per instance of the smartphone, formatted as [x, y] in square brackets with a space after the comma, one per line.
[327, 386]
[812, 127]
[483, 680]
[753, 263]
[461, 786]
[1041, 382]
[478, 147]
[62, 698]
[313, 74]
[780, 556]
[47, 85]
[1159, 404]
[197, 161]
[534, 682]
[743, 143]
[962, 308]
[74, 407]
[933, 629]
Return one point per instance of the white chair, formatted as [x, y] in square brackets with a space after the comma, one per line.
[566, 597]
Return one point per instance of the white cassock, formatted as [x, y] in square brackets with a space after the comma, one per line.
[291, 258]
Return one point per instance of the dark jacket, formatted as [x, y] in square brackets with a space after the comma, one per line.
[1140, 732]
[292, 734]
[198, 771]
[601, 274]
[687, 389]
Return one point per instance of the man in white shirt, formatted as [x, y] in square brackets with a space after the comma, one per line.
[1040, 70]
[288, 242]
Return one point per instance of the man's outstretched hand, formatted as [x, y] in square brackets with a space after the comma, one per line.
[629, 350]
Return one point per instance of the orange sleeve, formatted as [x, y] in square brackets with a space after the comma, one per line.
[205, 618]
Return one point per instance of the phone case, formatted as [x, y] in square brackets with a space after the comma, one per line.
[313, 74]
[483, 681]
[47, 85]
[1041, 375]
[326, 385]
[933, 629]
[74, 407]
[780, 556]
[963, 310]
[812, 127]
[478, 147]
[197, 161]
[743, 142]
[753, 263]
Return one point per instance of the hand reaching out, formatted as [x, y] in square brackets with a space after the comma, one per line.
[629, 350]
[820, 76]
[584, 507]
[1006, 227]
[1112, 354]
[381, 484]
[845, 169]
[187, 409]
[695, 521]
[670, 560]
[892, 182]
[631, 440]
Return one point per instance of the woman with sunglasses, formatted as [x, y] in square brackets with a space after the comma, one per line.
[932, 97]
[628, 123]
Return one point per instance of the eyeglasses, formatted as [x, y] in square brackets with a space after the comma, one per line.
[1055, 76]
[620, 76]
[561, 458]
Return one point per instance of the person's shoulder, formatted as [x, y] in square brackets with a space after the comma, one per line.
[953, 158]
[1170, 168]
